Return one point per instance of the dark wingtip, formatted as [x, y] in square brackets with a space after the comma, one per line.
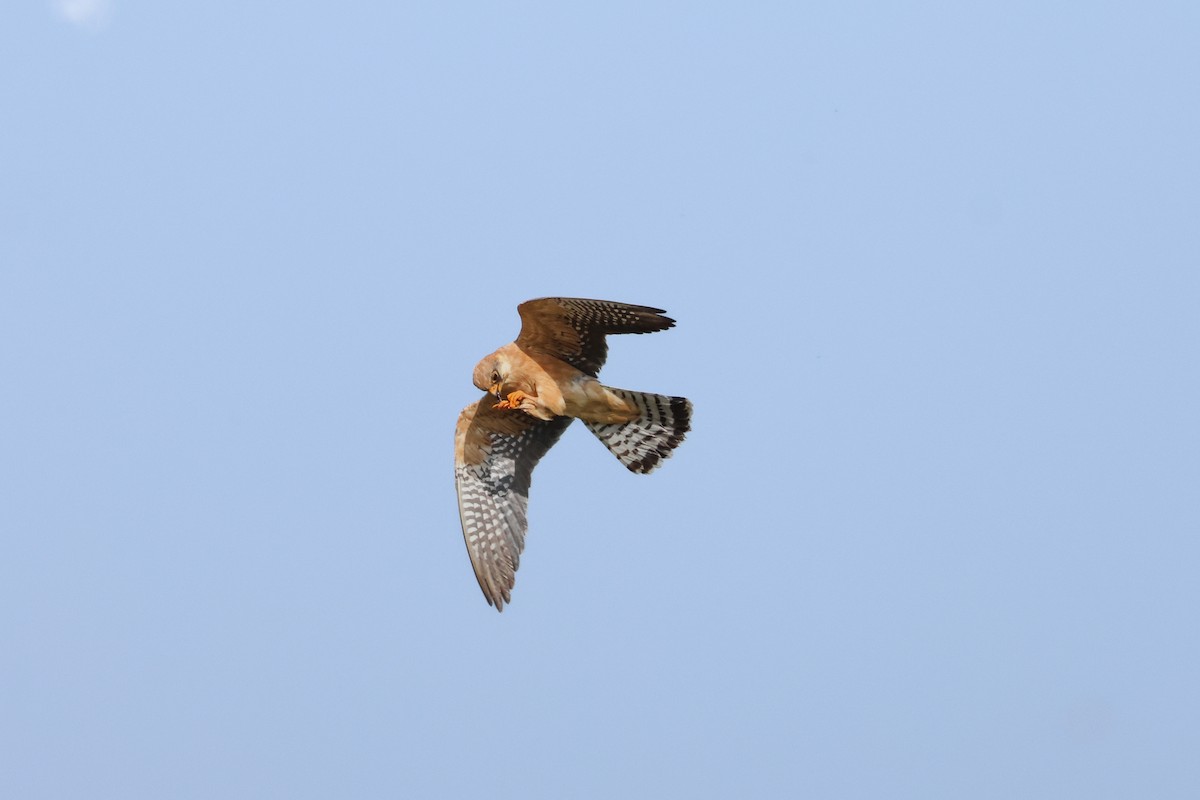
[654, 319]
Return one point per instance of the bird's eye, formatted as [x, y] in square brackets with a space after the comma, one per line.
[495, 376]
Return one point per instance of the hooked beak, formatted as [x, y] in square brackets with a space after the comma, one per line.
[495, 389]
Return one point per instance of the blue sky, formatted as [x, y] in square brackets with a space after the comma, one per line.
[936, 270]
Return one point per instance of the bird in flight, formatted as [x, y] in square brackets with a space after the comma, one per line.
[535, 387]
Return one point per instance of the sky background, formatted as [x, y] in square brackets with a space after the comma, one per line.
[936, 271]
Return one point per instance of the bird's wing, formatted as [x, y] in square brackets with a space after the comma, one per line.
[573, 329]
[495, 452]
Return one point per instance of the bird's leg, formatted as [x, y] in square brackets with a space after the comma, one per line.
[515, 400]
[529, 403]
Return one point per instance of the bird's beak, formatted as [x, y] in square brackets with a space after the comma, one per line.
[495, 389]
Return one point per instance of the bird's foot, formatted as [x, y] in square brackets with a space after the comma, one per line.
[513, 401]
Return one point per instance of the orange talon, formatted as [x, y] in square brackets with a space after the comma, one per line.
[513, 401]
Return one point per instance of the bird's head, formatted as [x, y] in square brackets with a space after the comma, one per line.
[491, 375]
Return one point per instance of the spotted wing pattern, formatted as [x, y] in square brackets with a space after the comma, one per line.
[573, 329]
[495, 453]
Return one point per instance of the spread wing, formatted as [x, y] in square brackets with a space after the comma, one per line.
[573, 329]
[495, 452]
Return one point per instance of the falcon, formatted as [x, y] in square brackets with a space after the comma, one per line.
[535, 386]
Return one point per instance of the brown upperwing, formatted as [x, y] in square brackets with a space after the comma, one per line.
[573, 328]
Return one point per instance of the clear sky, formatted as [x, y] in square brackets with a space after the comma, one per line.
[936, 271]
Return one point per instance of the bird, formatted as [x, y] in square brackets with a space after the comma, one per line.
[534, 388]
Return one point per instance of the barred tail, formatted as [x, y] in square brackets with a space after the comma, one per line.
[642, 443]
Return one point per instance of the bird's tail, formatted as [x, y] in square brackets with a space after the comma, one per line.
[642, 443]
